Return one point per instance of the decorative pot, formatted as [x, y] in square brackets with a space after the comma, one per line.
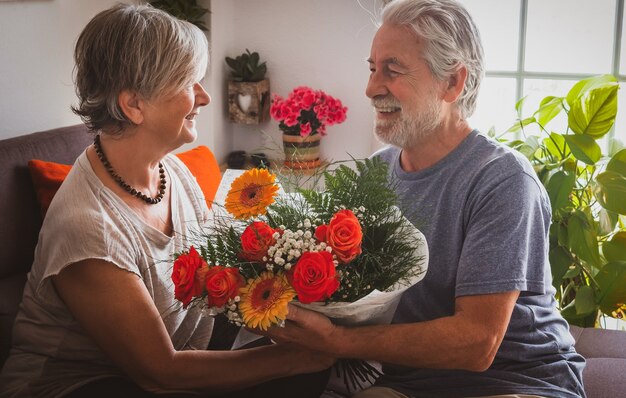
[249, 102]
[302, 152]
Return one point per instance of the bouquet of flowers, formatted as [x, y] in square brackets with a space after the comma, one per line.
[306, 112]
[347, 251]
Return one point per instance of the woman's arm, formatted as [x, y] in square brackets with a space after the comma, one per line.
[114, 307]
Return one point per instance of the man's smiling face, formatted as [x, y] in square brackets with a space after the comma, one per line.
[405, 94]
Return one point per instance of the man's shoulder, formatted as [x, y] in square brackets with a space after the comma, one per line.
[387, 153]
[496, 159]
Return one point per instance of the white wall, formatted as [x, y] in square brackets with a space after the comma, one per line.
[322, 44]
[36, 45]
[37, 39]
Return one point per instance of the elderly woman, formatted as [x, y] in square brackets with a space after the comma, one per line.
[98, 316]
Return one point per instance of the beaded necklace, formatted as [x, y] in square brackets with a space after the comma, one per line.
[123, 184]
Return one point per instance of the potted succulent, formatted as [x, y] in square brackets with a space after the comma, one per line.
[587, 190]
[248, 90]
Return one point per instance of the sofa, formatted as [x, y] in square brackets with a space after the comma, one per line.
[20, 212]
[20, 222]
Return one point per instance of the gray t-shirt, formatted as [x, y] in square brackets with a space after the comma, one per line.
[486, 217]
[52, 354]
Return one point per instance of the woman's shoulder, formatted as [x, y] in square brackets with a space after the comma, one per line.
[79, 192]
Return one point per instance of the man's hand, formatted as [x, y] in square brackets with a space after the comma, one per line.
[305, 328]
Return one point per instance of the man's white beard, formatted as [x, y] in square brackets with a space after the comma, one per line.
[411, 129]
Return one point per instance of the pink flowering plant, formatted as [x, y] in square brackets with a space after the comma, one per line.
[306, 111]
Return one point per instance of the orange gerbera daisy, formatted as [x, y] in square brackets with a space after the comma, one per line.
[264, 300]
[251, 193]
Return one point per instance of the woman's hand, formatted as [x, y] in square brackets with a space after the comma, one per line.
[305, 328]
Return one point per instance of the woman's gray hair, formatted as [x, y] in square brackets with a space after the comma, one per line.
[137, 48]
[451, 39]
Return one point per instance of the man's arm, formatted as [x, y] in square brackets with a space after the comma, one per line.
[468, 340]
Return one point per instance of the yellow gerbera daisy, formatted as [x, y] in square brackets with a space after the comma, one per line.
[264, 300]
[251, 193]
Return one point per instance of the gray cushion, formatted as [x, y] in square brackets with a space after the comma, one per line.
[600, 343]
[604, 377]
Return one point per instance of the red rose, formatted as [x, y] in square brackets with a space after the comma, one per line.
[313, 277]
[255, 240]
[184, 276]
[199, 283]
[344, 235]
[321, 232]
[222, 284]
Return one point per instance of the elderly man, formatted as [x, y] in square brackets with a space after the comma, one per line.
[483, 322]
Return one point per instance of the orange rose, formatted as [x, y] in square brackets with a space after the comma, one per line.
[255, 241]
[344, 235]
[184, 276]
[313, 277]
[222, 284]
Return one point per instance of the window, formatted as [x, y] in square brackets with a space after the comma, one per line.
[535, 48]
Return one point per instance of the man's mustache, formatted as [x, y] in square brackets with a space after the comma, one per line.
[388, 101]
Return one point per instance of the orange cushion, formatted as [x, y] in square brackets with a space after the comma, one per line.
[48, 176]
[202, 164]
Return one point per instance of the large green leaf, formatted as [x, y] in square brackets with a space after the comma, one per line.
[582, 237]
[585, 300]
[549, 108]
[612, 283]
[584, 321]
[615, 249]
[572, 272]
[519, 105]
[610, 190]
[607, 220]
[562, 238]
[520, 124]
[529, 147]
[582, 87]
[559, 264]
[593, 114]
[618, 163]
[555, 145]
[559, 188]
[584, 148]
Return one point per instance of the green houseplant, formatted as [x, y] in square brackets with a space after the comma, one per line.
[187, 10]
[248, 89]
[587, 190]
[246, 67]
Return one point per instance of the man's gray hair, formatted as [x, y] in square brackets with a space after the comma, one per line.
[137, 48]
[451, 39]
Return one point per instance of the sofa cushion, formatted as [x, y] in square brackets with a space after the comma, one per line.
[204, 167]
[48, 176]
[600, 343]
[603, 377]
